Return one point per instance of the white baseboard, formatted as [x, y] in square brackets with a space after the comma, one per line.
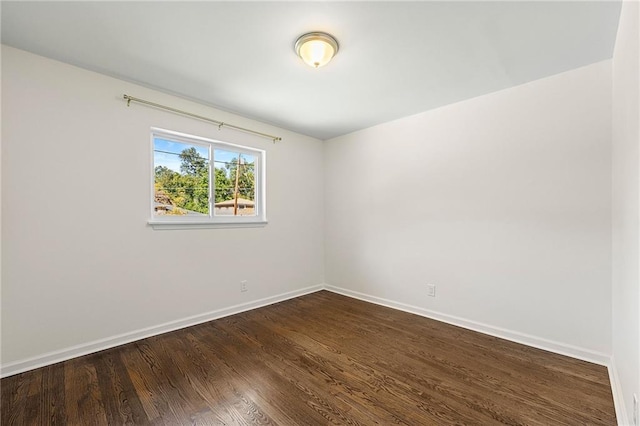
[514, 336]
[618, 396]
[110, 342]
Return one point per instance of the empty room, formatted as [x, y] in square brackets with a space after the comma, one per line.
[311, 213]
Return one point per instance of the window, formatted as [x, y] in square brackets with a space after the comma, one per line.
[200, 182]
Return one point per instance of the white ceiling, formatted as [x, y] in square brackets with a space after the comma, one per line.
[395, 58]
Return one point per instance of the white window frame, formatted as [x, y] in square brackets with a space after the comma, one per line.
[211, 221]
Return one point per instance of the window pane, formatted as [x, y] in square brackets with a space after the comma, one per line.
[181, 178]
[235, 183]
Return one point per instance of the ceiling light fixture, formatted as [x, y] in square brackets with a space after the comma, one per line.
[316, 48]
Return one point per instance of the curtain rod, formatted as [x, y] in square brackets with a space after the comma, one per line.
[220, 124]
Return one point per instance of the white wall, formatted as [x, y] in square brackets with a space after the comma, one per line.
[626, 211]
[502, 201]
[0, 210]
[79, 261]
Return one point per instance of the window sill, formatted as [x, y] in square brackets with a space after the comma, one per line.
[175, 224]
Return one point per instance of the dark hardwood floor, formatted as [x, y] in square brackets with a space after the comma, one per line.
[315, 360]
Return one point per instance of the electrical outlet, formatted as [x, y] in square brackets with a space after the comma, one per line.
[636, 416]
[431, 290]
[243, 286]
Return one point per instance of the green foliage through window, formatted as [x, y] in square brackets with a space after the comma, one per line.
[181, 181]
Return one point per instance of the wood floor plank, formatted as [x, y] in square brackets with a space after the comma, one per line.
[14, 398]
[83, 400]
[122, 404]
[227, 392]
[33, 404]
[52, 395]
[318, 359]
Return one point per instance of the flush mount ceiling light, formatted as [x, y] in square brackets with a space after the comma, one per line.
[316, 48]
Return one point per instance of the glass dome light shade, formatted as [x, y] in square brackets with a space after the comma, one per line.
[316, 49]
